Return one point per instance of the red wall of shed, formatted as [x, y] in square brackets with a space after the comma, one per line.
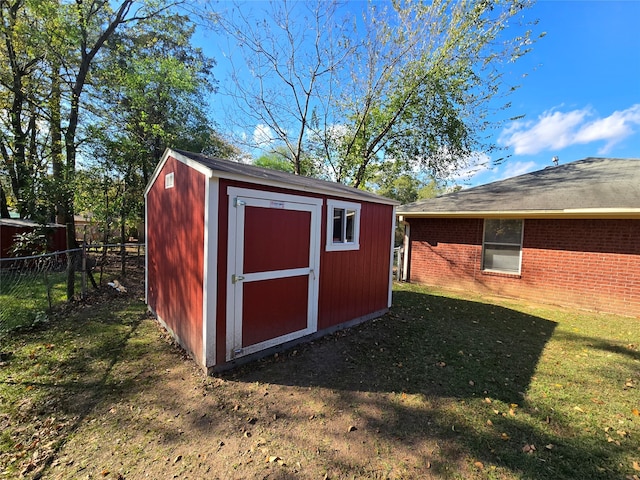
[175, 249]
[355, 283]
[588, 263]
[352, 283]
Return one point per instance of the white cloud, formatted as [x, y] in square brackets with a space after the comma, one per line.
[263, 135]
[555, 130]
[612, 129]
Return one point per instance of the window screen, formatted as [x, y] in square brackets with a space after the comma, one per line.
[502, 246]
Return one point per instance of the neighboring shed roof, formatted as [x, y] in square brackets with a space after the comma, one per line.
[217, 167]
[593, 187]
[20, 223]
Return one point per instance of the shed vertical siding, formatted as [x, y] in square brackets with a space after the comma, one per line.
[175, 249]
[223, 233]
[589, 263]
[355, 283]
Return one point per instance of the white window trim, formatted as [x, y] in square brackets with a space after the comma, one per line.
[169, 181]
[519, 245]
[342, 246]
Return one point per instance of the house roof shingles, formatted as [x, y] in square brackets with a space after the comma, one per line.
[590, 187]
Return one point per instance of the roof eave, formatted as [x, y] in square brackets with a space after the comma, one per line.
[301, 188]
[595, 213]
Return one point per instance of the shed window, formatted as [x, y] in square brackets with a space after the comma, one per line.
[502, 245]
[343, 225]
[168, 180]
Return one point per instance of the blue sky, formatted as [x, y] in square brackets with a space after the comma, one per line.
[579, 88]
[581, 96]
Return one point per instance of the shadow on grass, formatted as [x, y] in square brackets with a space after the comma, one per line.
[437, 346]
[63, 370]
[467, 362]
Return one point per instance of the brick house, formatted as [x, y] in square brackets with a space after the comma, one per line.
[567, 235]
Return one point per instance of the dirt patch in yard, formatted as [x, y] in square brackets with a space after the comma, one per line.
[103, 392]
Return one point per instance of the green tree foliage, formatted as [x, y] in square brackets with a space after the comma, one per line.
[274, 162]
[415, 83]
[428, 77]
[289, 51]
[405, 187]
[67, 67]
[23, 41]
[280, 159]
[153, 87]
[51, 47]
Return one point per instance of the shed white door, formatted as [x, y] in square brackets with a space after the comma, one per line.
[272, 269]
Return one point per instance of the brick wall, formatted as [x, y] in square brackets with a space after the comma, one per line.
[592, 263]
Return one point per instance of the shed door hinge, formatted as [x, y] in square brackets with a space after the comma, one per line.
[236, 278]
[237, 203]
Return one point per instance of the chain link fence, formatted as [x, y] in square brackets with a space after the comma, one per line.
[32, 288]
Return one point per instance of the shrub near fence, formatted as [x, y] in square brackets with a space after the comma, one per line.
[32, 287]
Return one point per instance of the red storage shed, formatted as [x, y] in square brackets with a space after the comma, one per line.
[242, 259]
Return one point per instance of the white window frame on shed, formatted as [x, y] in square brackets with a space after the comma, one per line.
[169, 181]
[500, 254]
[343, 210]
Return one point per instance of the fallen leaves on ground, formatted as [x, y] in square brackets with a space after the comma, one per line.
[275, 459]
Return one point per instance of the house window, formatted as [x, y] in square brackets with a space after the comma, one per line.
[168, 180]
[343, 225]
[502, 245]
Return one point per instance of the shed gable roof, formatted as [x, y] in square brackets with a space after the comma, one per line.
[218, 167]
[599, 187]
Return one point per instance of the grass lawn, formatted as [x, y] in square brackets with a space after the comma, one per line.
[444, 386]
[25, 297]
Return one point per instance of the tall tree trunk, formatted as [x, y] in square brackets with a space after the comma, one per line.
[56, 142]
[122, 239]
[4, 208]
[67, 208]
[17, 167]
[16, 159]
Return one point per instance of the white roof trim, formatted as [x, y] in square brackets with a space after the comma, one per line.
[181, 158]
[567, 213]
